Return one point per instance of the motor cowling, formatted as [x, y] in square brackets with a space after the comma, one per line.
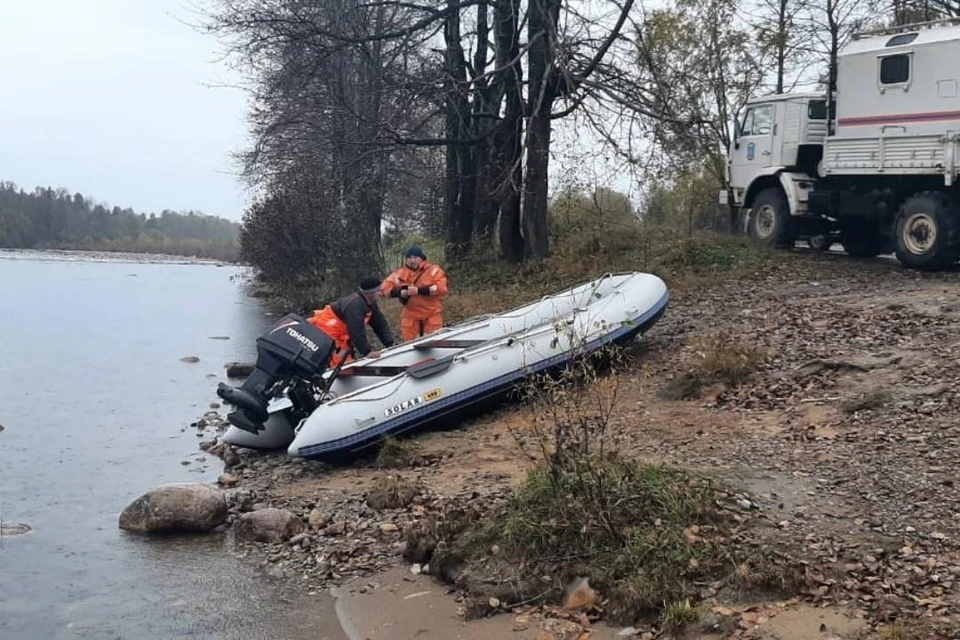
[292, 347]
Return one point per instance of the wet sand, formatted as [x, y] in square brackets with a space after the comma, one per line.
[398, 605]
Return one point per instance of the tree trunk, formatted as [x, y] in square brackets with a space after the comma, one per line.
[458, 208]
[542, 20]
[782, 35]
[834, 28]
[486, 102]
[508, 156]
[509, 175]
[534, 212]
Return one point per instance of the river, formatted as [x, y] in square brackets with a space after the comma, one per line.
[95, 405]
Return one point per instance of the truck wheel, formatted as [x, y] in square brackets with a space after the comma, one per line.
[770, 221]
[928, 231]
[820, 242]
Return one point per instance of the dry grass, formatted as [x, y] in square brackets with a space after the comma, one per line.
[390, 492]
[394, 453]
[761, 575]
[730, 360]
[721, 359]
[868, 401]
[582, 250]
[481, 284]
[912, 630]
[645, 535]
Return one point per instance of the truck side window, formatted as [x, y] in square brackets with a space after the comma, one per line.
[762, 120]
[902, 38]
[895, 69]
[817, 110]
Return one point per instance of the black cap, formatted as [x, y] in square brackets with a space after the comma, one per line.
[369, 285]
[416, 251]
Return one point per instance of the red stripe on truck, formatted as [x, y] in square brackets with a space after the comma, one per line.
[927, 116]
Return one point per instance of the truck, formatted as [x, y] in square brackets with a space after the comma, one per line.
[872, 165]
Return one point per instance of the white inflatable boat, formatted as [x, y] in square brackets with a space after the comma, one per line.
[417, 382]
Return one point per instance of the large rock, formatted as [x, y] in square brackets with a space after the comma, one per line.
[579, 595]
[239, 369]
[268, 525]
[14, 529]
[176, 507]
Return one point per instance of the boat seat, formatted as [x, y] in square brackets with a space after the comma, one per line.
[422, 369]
[429, 367]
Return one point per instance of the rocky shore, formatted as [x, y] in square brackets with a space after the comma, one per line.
[838, 435]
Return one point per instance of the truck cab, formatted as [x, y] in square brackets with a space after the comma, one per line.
[778, 132]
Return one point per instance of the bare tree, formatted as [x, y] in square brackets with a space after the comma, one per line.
[337, 89]
[778, 28]
[496, 124]
[833, 23]
[924, 10]
[697, 60]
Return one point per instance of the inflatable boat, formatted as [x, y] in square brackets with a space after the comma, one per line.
[291, 400]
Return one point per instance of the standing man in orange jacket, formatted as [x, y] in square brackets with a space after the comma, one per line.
[346, 320]
[420, 286]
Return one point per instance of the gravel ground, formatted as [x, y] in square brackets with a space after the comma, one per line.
[844, 442]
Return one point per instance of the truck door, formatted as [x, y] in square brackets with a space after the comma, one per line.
[752, 148]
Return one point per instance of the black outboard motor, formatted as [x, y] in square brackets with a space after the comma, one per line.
[291, 348]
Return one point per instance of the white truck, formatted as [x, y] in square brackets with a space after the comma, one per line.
[875, 167]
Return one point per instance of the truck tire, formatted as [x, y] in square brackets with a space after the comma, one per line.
[928, 231]
[770, 220]
[820, 242]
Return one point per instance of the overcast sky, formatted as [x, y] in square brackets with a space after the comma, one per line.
[110, 98]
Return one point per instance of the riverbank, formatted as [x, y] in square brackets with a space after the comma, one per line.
[838, 438]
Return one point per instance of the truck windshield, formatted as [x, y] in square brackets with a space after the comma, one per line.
[817, 110]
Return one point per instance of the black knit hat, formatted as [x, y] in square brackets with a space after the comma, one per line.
[369, 285]
[416, 251]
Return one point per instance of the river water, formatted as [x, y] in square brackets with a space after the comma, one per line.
[95, 405]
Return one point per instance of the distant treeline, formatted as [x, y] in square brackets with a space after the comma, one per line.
[54, 219]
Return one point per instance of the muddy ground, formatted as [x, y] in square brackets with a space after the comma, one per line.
[845, 442]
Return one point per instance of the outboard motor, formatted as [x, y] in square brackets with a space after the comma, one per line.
[291, 348]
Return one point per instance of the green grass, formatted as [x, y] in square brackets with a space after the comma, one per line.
[643, 534]
[678, 615]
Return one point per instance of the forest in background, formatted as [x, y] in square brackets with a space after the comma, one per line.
[462, 122]
[55, 219]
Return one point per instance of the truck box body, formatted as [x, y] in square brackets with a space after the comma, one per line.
[898, 105]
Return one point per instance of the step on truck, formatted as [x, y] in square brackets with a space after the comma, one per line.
[874, 166]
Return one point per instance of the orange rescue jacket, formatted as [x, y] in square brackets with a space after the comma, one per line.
[346, 319]
[431, 284]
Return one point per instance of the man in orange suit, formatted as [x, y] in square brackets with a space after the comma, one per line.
[346, 320]
[420, 286]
